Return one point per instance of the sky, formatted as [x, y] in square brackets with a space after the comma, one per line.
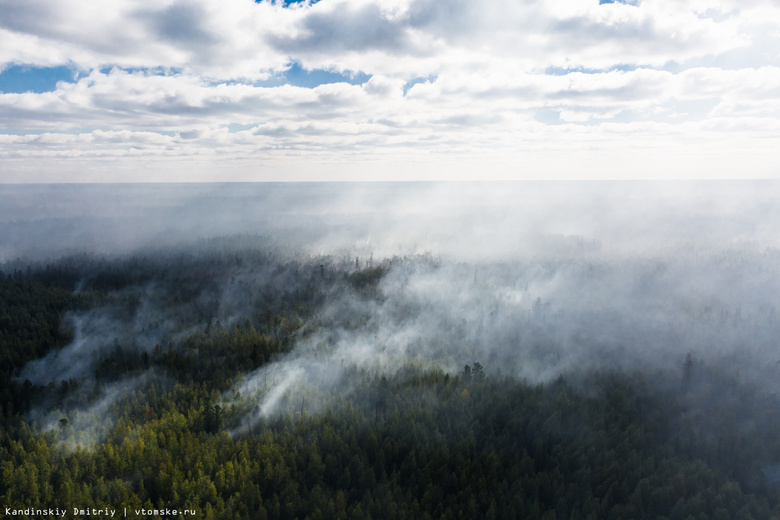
[239, 90]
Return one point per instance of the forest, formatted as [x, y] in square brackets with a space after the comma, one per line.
[239, 378]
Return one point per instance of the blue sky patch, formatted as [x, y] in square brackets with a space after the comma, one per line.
[299, 77]
[146, 71]
[18, 79]
[549, 117]
[626, 2]
[291, 2]
[409, 84]
[560, 71]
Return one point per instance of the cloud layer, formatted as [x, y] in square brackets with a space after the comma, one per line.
[204, 90]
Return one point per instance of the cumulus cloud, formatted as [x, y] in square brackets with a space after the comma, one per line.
[493, 81]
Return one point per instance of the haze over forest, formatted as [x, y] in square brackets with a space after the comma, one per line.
[309, 303]
[533, 279]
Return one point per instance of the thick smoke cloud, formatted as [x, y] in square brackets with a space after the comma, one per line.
[532, 280]
[537, 320]
[83, 427]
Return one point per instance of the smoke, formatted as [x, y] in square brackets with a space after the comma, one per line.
[465, 221]
[134, 319]
[532, 280]
[539, 319]
[84, 427]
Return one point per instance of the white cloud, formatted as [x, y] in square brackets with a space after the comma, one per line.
[499, 84]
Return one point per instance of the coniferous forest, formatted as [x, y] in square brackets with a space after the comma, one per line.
[303, 373]
[136, 382]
